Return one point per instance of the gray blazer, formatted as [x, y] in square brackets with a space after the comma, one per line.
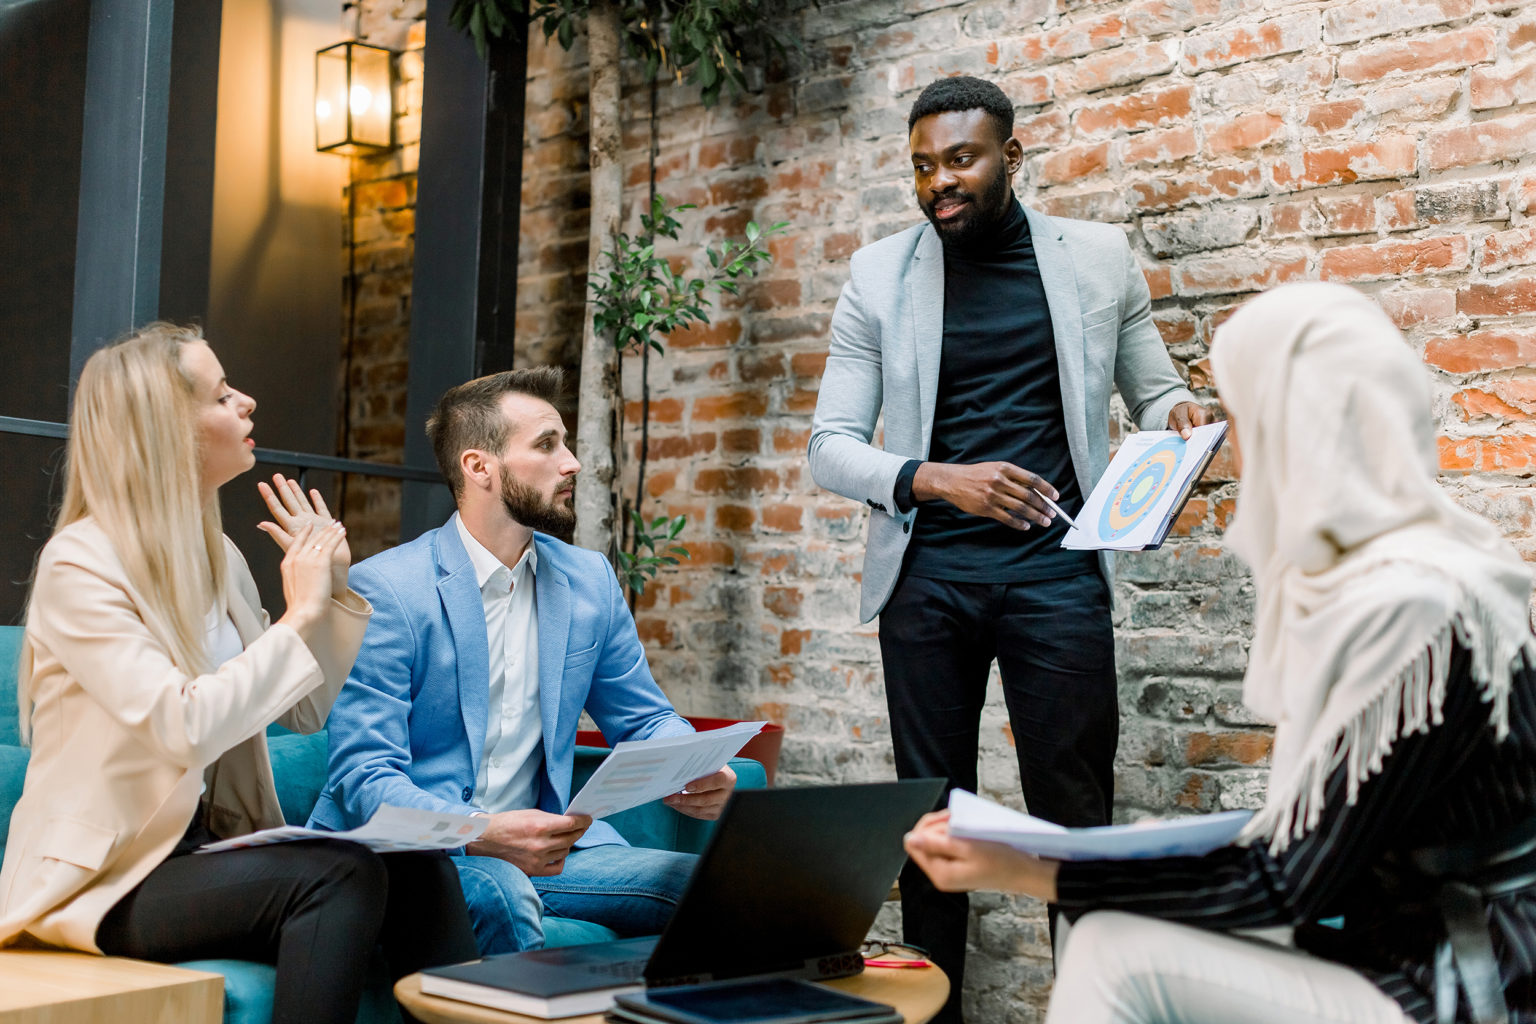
[887, 336]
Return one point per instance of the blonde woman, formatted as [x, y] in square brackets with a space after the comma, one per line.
[149, 674]
[1392, 647]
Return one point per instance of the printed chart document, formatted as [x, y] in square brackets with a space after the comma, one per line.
[973, 817]
[1136, 501]
[390, 830]
[639, 771]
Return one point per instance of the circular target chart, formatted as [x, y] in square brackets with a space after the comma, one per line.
[1139, 487]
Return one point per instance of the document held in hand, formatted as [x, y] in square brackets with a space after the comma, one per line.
[1135, 502]
[973, 817]
[390, 830]
[639, 771]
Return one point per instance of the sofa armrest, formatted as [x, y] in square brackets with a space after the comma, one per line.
[655, 825]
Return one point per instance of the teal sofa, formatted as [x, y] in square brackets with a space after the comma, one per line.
[298, 764]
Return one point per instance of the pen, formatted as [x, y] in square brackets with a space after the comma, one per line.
[1056, 508]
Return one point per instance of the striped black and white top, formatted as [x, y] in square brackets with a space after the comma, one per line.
[1450, 784]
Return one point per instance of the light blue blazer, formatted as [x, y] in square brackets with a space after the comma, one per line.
[410, 724]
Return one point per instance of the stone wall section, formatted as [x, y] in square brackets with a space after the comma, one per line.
[1239, 143]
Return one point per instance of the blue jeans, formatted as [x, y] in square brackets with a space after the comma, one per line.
[627, 888]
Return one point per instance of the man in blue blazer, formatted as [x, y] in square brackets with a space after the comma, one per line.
[488, 639]
[989, 338]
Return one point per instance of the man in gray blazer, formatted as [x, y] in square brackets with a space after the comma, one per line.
[990, 339]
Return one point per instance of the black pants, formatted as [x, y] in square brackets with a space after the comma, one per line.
[1055, 650]
[315, 909]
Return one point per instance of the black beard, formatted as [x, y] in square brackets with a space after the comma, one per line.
[525, 505]
[986, 213]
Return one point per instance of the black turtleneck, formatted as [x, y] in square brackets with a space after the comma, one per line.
[999, 400]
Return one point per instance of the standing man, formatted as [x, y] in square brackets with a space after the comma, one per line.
[489, 637]
[990, 338]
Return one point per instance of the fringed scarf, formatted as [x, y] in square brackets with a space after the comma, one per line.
[1366, 571]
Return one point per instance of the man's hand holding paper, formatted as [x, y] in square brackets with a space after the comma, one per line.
[689, 772]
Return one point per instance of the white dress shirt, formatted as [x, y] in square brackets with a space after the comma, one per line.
[508, 777]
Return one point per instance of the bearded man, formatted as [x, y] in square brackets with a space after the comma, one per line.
[990, 338]
[489, 637]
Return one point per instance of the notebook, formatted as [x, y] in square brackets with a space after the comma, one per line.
[788, 886]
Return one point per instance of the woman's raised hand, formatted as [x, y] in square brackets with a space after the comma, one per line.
[307, 567]
[291, 511]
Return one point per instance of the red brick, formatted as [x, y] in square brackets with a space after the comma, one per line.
[1457, 49]
[756, 367]
[734, 517]
[1522, 34]
[1513, 248]
[1159, 147]
[1226, 275]
[1159, 281]
[1324, 216]
[655, 632]
[1250, 131]
[719, 334]
[663, 410]
[1142, 109]
[728, 152]
[801, 400]
[1396, 259]
[1481, 351]
[680, 447]
[660, 483]
[1191, 517]
[1084, 36]
[808, 364]
[1027, 89]
[1392, 157]
[1502, 85]
[1068, 165]
[786, 440]
[792, 641]
[1159, 17]
[1510, 400]
[808, 175]
[1507, 299]
[1166, 193]
[1503, 138]
[1052, 128]
[1175, 325]
[744, 441]
[840, 246]
[1348, 23]
[1330, 117]
[736, 480]
[703, 554]
[1513, 454]
[777, 294]
[740, 405]
[738, 190]
[1410, 309]
[1522, 198]
[1250, 42]
[1227, 748]
[783, 517]
[1120, 66]
[784, 602]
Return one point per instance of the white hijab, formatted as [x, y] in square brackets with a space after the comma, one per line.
[1366, 570]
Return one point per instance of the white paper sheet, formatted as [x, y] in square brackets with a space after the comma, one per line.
[972, 817]
[1189, 457]
[639, 771]
[390, 830]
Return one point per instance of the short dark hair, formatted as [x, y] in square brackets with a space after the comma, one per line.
[469, 415]
[965, 93]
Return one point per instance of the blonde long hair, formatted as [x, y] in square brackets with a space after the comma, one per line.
[132, 465]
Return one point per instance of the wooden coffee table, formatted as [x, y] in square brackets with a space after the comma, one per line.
[49, 987]
[918, 993]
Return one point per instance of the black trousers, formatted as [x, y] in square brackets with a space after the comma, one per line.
[315, 909]
[1054, 646]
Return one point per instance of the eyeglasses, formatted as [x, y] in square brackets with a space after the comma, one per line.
[879, 953]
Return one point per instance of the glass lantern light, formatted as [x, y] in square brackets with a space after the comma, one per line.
[354, 99]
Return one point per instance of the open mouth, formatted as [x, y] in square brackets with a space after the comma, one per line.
[948, 206]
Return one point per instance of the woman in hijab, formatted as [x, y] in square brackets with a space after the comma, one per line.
[1392, 648]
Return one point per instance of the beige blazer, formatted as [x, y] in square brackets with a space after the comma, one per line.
[123, 740]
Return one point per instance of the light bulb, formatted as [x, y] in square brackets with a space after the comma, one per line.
[323, 110]
[361, 99]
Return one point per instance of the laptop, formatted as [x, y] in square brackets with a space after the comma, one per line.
[788, 885]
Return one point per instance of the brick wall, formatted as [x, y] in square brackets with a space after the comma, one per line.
[1240, 144]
